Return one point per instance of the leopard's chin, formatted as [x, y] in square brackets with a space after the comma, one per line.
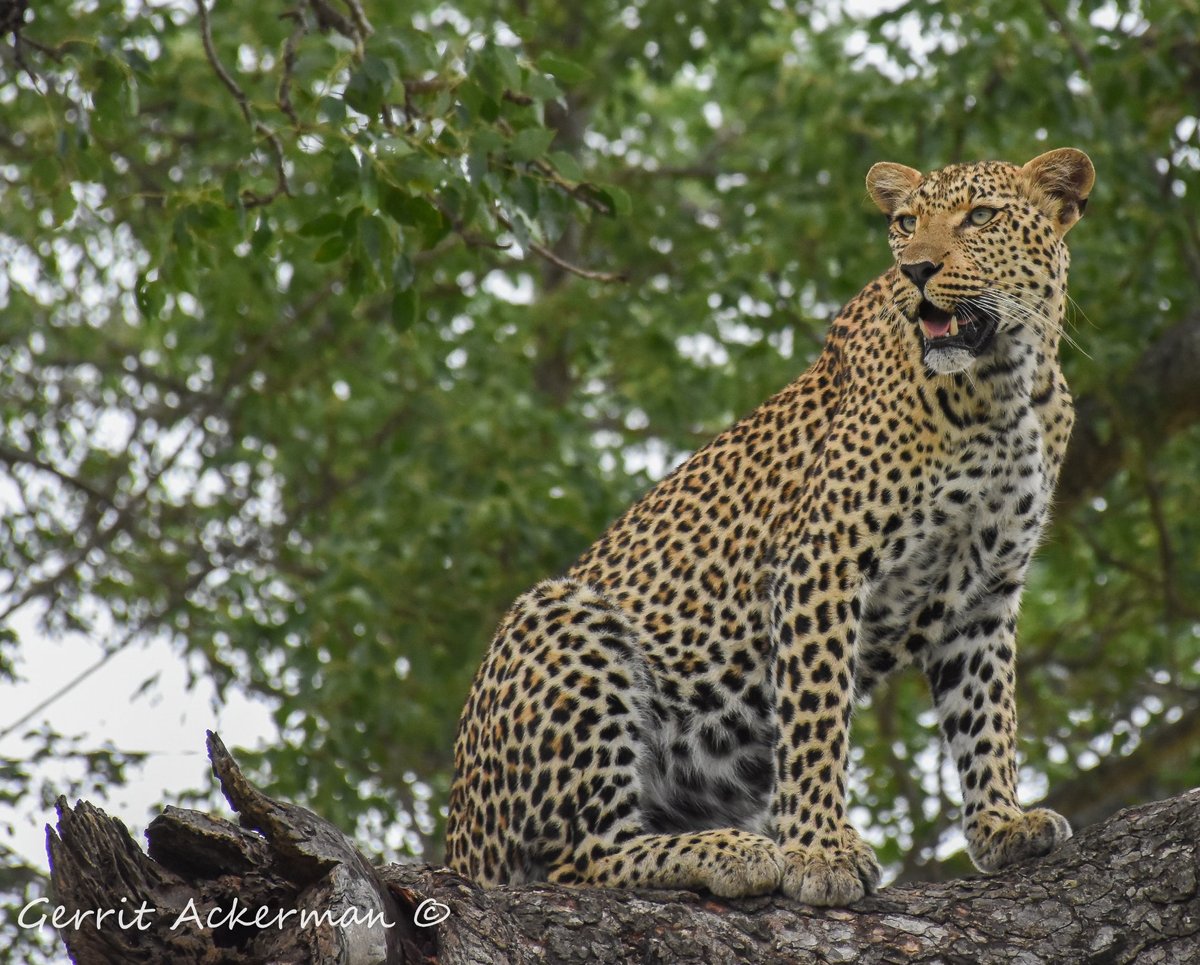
[947, 361]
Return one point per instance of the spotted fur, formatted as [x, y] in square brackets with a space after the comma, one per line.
[674, 710]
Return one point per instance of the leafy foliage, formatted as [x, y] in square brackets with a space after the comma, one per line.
[323, 338]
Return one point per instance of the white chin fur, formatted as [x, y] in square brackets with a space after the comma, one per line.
[947, 361]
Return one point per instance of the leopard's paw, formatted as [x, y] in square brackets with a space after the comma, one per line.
[728, 862]
[749, 865]
[839, 873]
[996, 840]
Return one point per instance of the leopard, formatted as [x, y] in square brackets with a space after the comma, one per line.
[673, 710]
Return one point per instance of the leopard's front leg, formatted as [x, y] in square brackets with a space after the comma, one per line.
[972, 677]
[827, 861]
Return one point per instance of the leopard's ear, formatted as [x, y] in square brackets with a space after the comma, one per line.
[889, 184]
[1059, 182]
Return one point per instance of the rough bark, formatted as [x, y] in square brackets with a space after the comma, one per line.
[1122, 891]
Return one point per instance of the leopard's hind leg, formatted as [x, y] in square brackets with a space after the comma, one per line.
[553, 749]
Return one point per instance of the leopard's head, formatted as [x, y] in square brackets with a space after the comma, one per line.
[980, 250]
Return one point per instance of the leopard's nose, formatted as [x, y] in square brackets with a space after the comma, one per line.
[920, 272]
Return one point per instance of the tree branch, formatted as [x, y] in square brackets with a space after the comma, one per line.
[1123, 891]
[559, 262]
[249, 198]
[290, 53]
[11, 456]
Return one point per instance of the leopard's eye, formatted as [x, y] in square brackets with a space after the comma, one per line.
[981, 216]
[907, 223]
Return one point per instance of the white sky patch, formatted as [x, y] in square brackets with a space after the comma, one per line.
[654, 457]
[702, 349]
[1109, 16]
[168, 721]
[500, 284]
[859, 9]
[906, 30]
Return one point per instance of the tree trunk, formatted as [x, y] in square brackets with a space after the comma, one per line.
[210, 891]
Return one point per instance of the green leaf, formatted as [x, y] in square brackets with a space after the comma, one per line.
[321, 225]
[541, 87]
[330, 249]
[567, 71]
[345, 173]
[566, 165]
[62, 204]
[554, 210]
[263, 233]
[487, 139]
[372, 235]
[364, 94]
[132, 102]
[417, 212]
[477, 166]
[380, 71]
[137, 61]
[618, 200]
[405, 305]
[355, 278]
[231, 187]
[333, 109]
[520, 228]
[524, 191]
[350, 225]
[506, 61]
[368, 184]
[403, 273]
[150, 297]
[530, 143]
[415, 51]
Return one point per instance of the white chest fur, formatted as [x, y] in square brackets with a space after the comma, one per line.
[971, 527]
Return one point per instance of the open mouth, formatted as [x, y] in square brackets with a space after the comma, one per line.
[969, 327]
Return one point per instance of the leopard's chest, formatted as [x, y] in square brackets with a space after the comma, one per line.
[971, 524]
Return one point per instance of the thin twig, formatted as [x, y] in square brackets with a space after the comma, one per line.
[290, 47]
[587, 273]
[179, 595]
[468, 238]
[1166, 551]
[559, 262]
[583, 192]
[18, 54]
[1077, 48]
[429, 86]
[68, 686]
[15, 456]
[360, 20]
[250, 199]
[54, 53]
[222, 74]
[328, 18]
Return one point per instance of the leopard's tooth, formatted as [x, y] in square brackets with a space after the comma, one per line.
[953, 324]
